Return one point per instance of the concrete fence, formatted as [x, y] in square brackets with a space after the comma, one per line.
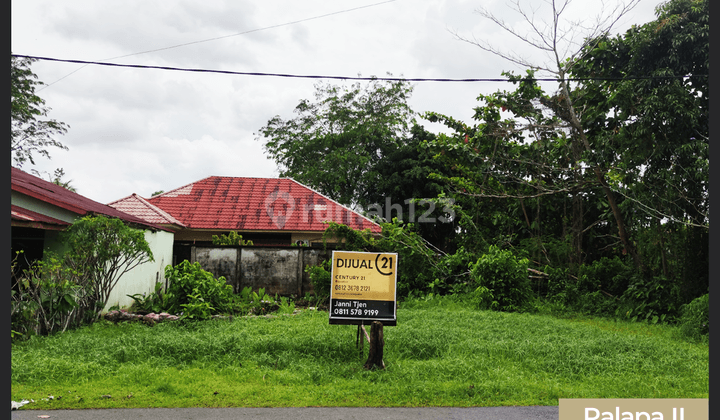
[278, 270]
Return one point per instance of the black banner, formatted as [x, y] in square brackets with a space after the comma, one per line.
[357, 312]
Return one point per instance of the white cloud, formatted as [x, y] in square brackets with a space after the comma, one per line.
[144, 130]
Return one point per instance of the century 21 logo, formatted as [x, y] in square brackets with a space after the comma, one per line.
[387, 263]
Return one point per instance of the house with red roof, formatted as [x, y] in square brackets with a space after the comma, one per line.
[39, 210]
[266, 211]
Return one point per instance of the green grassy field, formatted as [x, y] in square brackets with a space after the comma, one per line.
[440, 354]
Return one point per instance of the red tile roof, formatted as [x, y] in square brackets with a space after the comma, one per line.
[262, 204]
[30, 185]
[138, 206]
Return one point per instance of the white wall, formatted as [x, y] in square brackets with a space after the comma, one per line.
[142, 278]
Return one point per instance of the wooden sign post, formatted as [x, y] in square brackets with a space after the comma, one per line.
[363, 292]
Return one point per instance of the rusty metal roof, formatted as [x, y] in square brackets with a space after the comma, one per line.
[28, 218]
[32, 186]
[262, 204]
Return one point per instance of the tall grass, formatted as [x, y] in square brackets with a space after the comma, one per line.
[441, 353]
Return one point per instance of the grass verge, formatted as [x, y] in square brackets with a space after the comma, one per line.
[441, 354]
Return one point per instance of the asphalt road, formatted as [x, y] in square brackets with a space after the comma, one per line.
[299, 413]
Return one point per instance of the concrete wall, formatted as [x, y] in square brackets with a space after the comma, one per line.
[278, 270]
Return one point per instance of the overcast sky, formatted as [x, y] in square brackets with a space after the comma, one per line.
[144, 130]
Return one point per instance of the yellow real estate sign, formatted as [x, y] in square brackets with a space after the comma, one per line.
[362, 287]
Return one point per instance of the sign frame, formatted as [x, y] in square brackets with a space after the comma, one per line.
[363, 288]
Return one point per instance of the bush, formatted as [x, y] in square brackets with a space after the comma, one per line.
[156, 301]
[695, 318]
[196, 294]
[599, 288]
[193, 289]
[69, 290]
[610, 275]
[416, 260]
[556, 290]
[100, 251]
[502, 281]
[44, 300]
[232, 238]
[452, 273]
[651, 298]
[320, 279]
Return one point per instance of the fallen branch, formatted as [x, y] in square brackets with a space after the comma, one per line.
[608, 294]
[362, 327]
[538, 273]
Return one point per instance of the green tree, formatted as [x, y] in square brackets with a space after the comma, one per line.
[618, 153]
[335, 142]
[31, 133]
[100, 251]
[648, 102]
[563, 46]
[57, 178]
[360, 145]
[512, 172]
[404, 190]
[646, 98]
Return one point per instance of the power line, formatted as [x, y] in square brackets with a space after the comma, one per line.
[226, 36]
[299, 76]
[254, 30]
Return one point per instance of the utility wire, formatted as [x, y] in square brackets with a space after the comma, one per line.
[286, 75]
[223, 37]
[254, 30]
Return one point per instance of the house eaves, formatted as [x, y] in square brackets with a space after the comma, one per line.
[21, 217]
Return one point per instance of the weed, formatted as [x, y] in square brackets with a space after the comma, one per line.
[443, 352]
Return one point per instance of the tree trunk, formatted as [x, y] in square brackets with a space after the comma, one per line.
[624, 237]
[375, 355]
[577, 207]
[600, 175]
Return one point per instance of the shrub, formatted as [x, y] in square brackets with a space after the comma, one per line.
[44, 300]
[416, 260]
[599, 288]
[100, 251]
[453, 273]
[651, 298]
[250, 302]
[156, 301]
[502, 281]
[233, 238]
[320, 279]
[556, 289]
[610, 275]
[694, 320]
[190, 285]
[66, 291]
